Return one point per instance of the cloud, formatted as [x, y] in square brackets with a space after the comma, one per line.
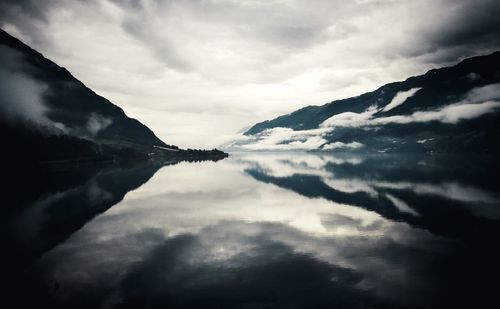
[469, 24]
[285, 139]
[469, 108]
[21, 97]
[26, 19]
[234, 26]
[400, 98]
[449, 114]
[350, 119]
[475, 103]
[484, 93]
[288, 139]
[96, 123]
[33, 8]
[239, 62]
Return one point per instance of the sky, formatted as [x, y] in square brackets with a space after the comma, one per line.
[199, 72]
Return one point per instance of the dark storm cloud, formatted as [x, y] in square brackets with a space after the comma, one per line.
[161, 46]
[33, 8]
[477, 22]
[270, 30]
[465, 28]
[129, 4]
[26, 16]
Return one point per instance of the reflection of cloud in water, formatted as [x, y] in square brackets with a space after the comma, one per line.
[401, 205]
[350, 186]
[234, 221]
[236, 263]
[451, 190]
[481, 203]
[33, 221]
[478, 201]
[72, 198]
[97, 194]
[288, 164]
[207, 234]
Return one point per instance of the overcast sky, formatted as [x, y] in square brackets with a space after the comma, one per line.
[199, 71]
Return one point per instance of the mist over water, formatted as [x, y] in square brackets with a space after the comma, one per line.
[275, 230]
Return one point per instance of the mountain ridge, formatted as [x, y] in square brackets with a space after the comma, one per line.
[463, 64]
[47, 114]
[42, 69]
[459, 102]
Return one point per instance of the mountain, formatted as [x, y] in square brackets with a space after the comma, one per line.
[47, 114]
[452, 109]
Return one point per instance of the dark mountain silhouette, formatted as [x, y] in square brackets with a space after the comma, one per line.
[421, 121]
[48, 114]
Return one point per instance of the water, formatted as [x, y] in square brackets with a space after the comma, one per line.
[257, 231]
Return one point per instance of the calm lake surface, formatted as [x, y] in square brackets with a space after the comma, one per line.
[277, 230]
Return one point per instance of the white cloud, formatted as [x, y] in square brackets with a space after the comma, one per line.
[96, 123]
[477, 102]
[350, 119]
[449, 114]
[400, 98]
[204, 69]
[22, 98]
[280, 138]
[484, 93]
[286, 139]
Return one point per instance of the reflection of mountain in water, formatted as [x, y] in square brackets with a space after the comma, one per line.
[445, 195]
[57, 202]
[208, 235]
[448, 196]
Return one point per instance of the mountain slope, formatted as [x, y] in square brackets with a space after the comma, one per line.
[46, 114]
[447, 109]
[67, 104]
